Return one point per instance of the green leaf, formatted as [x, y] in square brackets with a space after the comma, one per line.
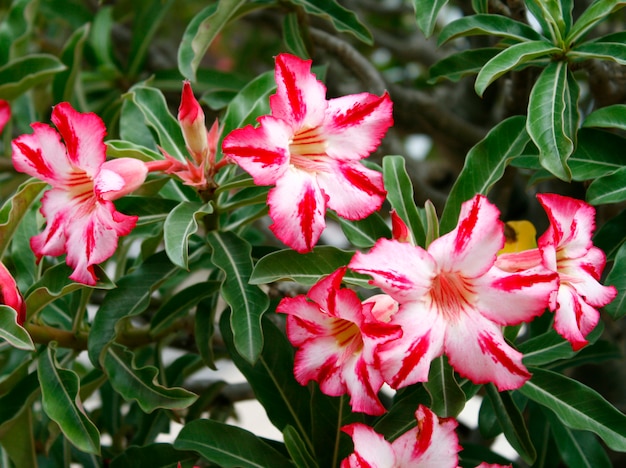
[365, 232]
[64, 84]
[21, 74]
[617, 277]
[401, 416]
[484, 165]
[297, 449]
[607, 117]
[597, 154]
[400, 195]
[19, 442]
[426, 13]
[16, 26]
[490, 25]
[577, 406]
[461, 64]
[342, 19]
[140, 383]
[228, 446]
[13, 333]
[597, 12]
[599, 51]
[608, 189]
[127, 149]
[448, 400]
[304, 268]
[271, 377]
[179, 225]
[510, 58]
[18, 398]
[231, 254]
[553, 118]
[155, 455]
[200, 33]
[15, 208]
[100, 37]
[480, 6]
[60, 400]
[512, 423]
[611, 236]
[292, 36]
[550, 346]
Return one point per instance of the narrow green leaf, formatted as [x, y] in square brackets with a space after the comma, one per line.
[610, 51]
[127, 149]
[200, 33]
[365, 232]
[400, 195]
[607, 117]
[64, 83]
[490, 25]
[19, 442]
[597, 12]
[448, 400]
[60, 400]
[480, 6]
[577, 406]
[15, 208]
[13, 333]
[297, 449]
[510, 58]
[426, 13]
[611, 236]
[231, 254]
[15, 26]
[17, 399]
[401, 416]
[23, 73]
[100, 37]
[512, 423]
[155, 455]
[179, 225]
[292, 36]
[342, 19]
[608, 189]
[550, 347]
[617, 278]
[461, 64]
[597, 154]
[140, 383]
[553, 117]
[484, 165]
[228, 446]
[304, 268]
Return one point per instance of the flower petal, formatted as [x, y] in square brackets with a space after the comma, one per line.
[10, 294]
[5, 113]
[297, 207]
[119, 177]
[371, 450]
[573, 317]
[583, 274]
[59, 209]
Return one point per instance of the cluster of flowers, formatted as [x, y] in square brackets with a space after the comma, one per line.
[452, 298]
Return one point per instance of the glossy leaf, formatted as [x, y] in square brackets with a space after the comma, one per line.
[365, 232]
[181, 223]
[400, 195]
[484, 165]
[231, 254]
[306, 268]
[426, 13]
[127, 149]
[550, 346]
[607, 117]
[617, 277]
[401, 416]
[64, 84]
[341, 18]
[15, 209]
[156, 455]
[13, 333]
[577, 406]
[18, 398]
[23, 73]
[490, 25]
[597, 12]
[60, 400]
[553, 118]
[140, 383]
[613, 52]
[509, 59]
[461, 64]
[597, 154]
[611, 235]
[297, 449]
[228, 446]
[293, 37]
[448, 400]
[608, 189]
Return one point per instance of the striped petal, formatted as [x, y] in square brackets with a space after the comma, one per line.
[371, 450]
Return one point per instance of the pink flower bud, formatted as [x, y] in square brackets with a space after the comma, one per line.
[191, 118]
[10, 295]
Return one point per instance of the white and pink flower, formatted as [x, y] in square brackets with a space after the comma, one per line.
[10, 295]
[82, 221]
[455, 301]
[310, 150]
[337, 337]
[5, 113]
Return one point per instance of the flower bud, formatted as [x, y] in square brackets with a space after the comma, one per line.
[191, 119]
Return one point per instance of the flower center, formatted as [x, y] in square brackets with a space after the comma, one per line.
[450, 294]
[347, 335]
[308, 150]
[80, 186]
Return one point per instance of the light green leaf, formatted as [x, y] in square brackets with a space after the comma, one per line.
[462, 64]
[617, 278]
[607, 117]
[15, 27]
[140, 383]
[342, 19]
[597, 12]
[490, 25]
[13, 333]
[510, 58]
[179, 225]
[64, 84]
[21, 74]
[232, 255]
[553, 118]
[448, 400]
[304, 268]
[365, 232]
[512, 423]
[59, 391]
[426, 13]
[608, 189]
[484, 165]
[610, 51]
[297, 449]
[292, 36]
[228, 446]
[400, 195]
[15, 208]
[577, 406]
[127, 149]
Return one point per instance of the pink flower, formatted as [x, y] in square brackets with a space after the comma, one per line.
[566, 248]
[5, 113]
[433, 443]
[310, 149]
[454, 301]
[10, 295]
[82, 221]
[337, 338]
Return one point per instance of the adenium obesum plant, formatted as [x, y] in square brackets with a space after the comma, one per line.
[5, 113]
